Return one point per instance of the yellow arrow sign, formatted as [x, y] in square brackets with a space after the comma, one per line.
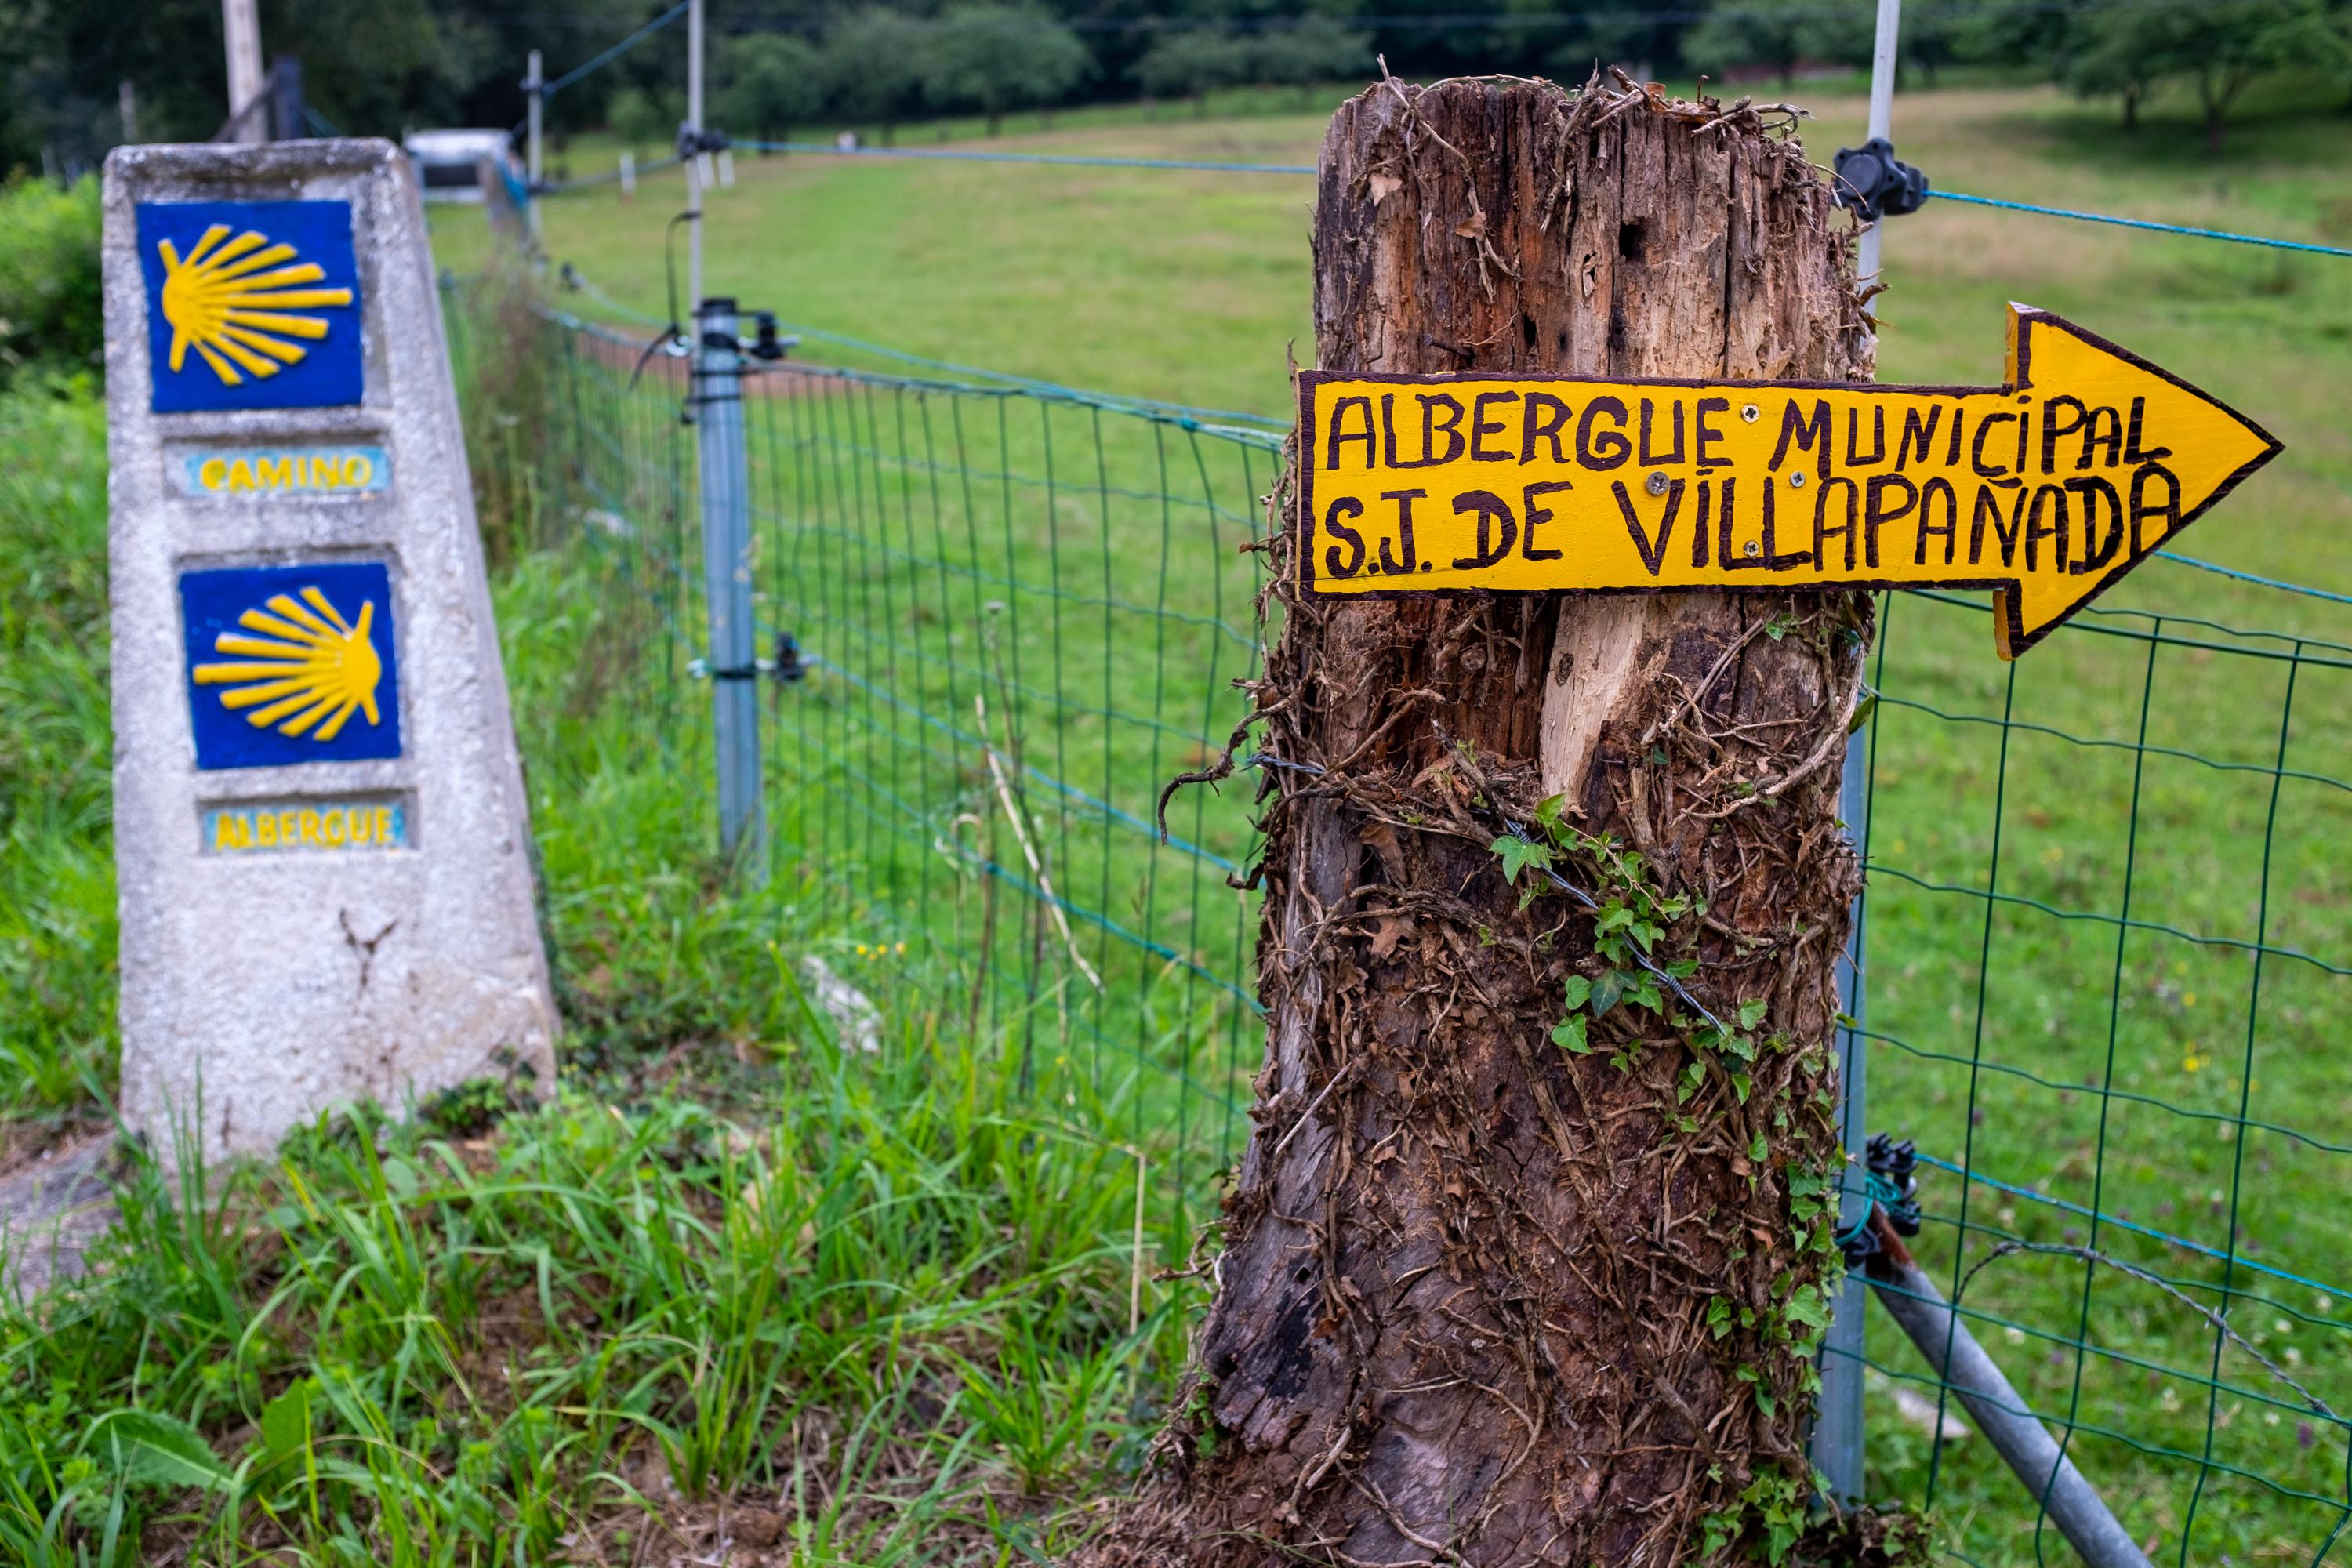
[2047, 490]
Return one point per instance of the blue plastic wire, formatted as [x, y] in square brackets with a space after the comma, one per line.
[1185, 415]
[1054, 389]
[2233, 573]
[2182, 1242]
[1100, 161]
[2142, 223]
[616, 51]
[1083, 160]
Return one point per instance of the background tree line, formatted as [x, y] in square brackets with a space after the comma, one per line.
[381, 66]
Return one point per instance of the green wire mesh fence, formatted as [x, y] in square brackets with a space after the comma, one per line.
[2106, 937]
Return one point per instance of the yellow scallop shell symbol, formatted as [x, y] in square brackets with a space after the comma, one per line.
[308, 675]
[236, 303]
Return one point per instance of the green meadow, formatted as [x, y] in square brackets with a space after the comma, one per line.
[740, 1279]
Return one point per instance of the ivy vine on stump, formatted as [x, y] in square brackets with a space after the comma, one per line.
[1526, 1256]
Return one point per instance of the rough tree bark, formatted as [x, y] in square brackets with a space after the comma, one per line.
[1481, 1299]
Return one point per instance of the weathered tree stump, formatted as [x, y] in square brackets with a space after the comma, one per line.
[1482, 1298]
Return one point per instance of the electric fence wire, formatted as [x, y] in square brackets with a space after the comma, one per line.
[600, 61]
[754, 17]
[1262, 428]
[1103, 161]
[1074, 159]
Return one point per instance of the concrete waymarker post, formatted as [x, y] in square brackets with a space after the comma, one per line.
[321, 836]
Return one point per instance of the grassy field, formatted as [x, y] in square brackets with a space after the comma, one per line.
[736, 1279]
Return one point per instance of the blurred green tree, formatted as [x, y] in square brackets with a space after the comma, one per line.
[1774, 34]
[2218, 46]
[1193, 63]
[774, 82]
[643, 119]
[996, 58]
[873, 61]
[1312, 50]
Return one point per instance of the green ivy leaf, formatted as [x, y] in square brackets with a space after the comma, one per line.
[1568, 1034]
[1579, 992]
[1752, 1013]
[1758, 1150]
[1807, 1307]
[1607, 991]
[1518, 854]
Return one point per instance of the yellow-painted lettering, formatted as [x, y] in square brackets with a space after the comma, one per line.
[240, 474]
[359, 470]
[274, 473]
[338, 829]
[213, 473]
[265, 830]
[384, 826]
[310, 827]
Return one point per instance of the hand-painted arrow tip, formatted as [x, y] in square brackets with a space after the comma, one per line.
[2184, 449]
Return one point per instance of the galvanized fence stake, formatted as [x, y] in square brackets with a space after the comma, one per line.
[1960, 1363]
[1837, 1446]
[717, 403]
[534, 87]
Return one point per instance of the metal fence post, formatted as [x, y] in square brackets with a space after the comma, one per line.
[534, 87]
[1883, 60]
[1837, 1446]
[727, 578]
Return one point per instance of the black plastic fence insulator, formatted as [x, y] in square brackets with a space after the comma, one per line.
[1893, 1189]
[691, 141]
[766, 345]
[1876, 184]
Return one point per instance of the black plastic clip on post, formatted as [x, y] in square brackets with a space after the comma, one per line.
[1876, 184]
